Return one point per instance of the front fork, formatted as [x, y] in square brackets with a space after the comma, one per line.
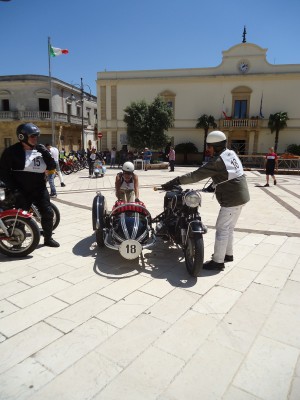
[196, 226]
[3, 227]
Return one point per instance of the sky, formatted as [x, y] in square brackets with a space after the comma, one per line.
[122, 35]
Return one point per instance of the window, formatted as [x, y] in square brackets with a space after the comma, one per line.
[69, 108]
[240, 109]
[44, 105]
[5, 105]
[78, 111]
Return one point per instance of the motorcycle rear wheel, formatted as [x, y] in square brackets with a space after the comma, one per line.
[56, 215]
[194, 254]
[25, 237]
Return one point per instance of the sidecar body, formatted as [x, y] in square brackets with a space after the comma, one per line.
[127, 228]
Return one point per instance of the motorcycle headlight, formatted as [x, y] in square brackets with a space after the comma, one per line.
[2, 194]
[193, 199]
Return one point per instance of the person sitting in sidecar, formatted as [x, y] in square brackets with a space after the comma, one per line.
[127, 184]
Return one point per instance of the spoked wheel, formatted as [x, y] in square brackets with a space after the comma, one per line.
[56, 215]
[66, 169]
[25, 236]
[194, 254]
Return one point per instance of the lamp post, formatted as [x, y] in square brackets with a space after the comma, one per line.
[82, 97]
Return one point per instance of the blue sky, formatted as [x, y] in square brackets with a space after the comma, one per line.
[140, 34]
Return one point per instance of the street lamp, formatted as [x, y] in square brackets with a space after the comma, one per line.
[82, 97]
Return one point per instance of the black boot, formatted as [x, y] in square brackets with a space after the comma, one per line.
[51, 242]
[212, 265]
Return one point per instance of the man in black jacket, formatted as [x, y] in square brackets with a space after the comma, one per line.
[231, 189]
[22, 168]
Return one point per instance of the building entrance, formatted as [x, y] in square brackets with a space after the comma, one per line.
[239, 146]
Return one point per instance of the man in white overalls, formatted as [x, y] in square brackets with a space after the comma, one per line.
[226, 171]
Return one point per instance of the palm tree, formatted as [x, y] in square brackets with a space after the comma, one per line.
[204, 122]
[276, 123]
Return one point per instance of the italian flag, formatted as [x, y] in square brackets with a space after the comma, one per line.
[54, 51]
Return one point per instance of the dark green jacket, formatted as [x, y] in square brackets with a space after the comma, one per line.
[229, 193]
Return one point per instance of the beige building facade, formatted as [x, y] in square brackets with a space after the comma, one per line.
[27, 98]
[240, 93]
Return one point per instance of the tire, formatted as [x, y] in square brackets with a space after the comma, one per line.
[66, 169]
[99, 211]
[56, 215]
[194, 254]
[100, 237]
[24, 240]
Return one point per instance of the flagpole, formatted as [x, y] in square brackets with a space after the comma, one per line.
[51, 94]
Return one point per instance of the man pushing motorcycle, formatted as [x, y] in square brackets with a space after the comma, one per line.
[127, 184]
[22, 167]
[231, 189]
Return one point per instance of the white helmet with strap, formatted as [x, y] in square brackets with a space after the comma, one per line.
[128, 167]
[216, 137]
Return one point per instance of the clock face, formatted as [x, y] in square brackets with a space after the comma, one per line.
[244, 66]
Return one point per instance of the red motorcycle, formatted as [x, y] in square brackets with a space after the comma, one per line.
[19, 233]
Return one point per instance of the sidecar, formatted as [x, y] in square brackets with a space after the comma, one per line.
[127, 228]
[99, 169]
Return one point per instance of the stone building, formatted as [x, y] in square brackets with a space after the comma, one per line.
[240, 93]
[26, 98]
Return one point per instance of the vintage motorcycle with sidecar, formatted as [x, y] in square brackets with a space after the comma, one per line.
[129, 226]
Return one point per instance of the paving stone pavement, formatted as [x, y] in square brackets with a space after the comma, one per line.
[80, 323]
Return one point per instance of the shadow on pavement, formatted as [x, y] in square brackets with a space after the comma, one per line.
[164, 261]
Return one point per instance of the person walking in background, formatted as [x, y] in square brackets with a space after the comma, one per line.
[171, 157]
[113, 154]
[55, 154]
[50, 176]
[147, 158]
[91, 161]
[271, 162]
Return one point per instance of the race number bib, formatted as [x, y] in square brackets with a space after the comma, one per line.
[232, 163]
[34, 162]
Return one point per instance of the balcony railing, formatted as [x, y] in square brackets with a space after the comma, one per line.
[42, 116]
[239, 123]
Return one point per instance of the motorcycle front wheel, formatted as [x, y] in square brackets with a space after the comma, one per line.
[25, 236]
[194, 254]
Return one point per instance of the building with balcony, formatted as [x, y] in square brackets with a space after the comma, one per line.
[27, 98]
[240, 93]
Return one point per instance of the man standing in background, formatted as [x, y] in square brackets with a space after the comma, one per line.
[55, 154]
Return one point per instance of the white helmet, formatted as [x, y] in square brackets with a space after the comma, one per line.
[128, 167]
[215, 137]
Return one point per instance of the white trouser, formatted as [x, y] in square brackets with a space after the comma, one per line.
[225, 224]
[59, 172]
